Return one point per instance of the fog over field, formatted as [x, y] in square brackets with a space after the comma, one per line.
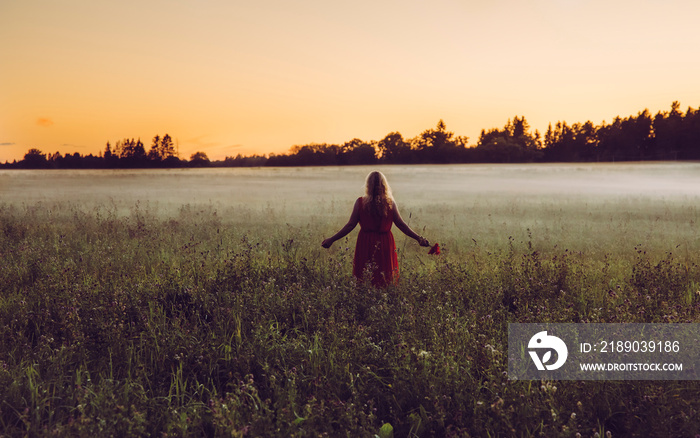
[436, 183]
[571, 204]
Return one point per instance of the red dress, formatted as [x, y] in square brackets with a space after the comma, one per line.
[376, 250]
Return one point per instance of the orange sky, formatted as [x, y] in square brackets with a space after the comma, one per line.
[230, 77]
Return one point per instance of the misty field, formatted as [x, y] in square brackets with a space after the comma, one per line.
[200, 302]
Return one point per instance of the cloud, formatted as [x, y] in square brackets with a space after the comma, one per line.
[44, 121]
[7, 144]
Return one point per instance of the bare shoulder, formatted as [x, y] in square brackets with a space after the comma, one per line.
[358, 203]
[395, 211]
[355, 216]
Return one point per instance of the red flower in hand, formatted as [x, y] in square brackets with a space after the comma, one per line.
[435, 249]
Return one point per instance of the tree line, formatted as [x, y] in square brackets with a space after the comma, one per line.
[128, 154]
[668, 135]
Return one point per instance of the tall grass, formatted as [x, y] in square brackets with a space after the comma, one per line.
[216, 322]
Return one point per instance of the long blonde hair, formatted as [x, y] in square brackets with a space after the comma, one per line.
[378, 199]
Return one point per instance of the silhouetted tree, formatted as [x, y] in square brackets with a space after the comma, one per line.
[131, 153]
[167, 148]
[641, 132]
[199, 159]
[108, 152]
[111, 159]
[667, 132]
[35, 159]
[609, 140]
[71, 161]
[628, 139]
[161, 149]
[394, 149]
[435, 145]
[309, 155]
[513, 143]
[55, 160]
[571, 143]
[154, 152]
[357, 151]
[690, 134]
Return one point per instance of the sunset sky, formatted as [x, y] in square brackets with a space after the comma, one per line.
[229, 77]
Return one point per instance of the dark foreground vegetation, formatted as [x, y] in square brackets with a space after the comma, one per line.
[138, 325]
[669, 135]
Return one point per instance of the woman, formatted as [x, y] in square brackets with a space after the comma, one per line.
[375, 249]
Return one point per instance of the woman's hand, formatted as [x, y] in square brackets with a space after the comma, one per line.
[422, 241]
[327, 243]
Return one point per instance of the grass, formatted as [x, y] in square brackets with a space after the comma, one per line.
[212, 321]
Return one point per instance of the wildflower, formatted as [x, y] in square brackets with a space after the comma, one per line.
[497, 404]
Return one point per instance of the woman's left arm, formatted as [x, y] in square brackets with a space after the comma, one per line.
[403, 226]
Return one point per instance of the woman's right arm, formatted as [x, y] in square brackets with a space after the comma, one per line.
[352, 223]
